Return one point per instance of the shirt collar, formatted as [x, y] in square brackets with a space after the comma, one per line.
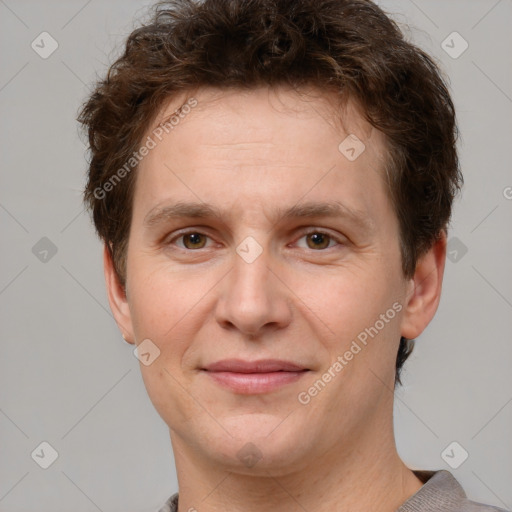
[440, 493]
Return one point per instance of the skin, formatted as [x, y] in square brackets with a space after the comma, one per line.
[301, 300]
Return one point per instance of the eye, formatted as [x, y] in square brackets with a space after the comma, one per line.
[318, 240]
[315, 239]
[191, 240]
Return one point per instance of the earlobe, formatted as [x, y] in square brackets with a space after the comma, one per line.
[117, 298]
[425, 290]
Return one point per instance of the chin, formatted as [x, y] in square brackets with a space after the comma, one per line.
[260, 444]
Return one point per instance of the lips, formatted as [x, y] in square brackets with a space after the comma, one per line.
[254, 377]
[262, 366]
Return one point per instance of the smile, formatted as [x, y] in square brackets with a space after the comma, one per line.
[246, 377]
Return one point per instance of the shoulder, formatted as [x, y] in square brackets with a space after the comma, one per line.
[171, 505]
[441, 492]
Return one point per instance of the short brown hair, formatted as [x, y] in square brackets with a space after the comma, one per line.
[350, 47]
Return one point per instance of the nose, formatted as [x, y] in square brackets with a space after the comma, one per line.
[253, 298]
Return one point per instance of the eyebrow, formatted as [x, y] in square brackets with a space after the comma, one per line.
[200, 210]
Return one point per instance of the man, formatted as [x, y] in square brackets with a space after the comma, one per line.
[273, 182]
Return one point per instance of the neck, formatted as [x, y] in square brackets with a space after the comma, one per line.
[367, 476]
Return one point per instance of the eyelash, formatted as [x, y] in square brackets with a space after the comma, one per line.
[306, 233]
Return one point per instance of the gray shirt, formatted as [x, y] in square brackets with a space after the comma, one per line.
[440, 493]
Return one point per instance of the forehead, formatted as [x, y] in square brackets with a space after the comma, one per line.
[264, 110]
[261, 145]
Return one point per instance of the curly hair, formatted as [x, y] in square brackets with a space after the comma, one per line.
[349, 47]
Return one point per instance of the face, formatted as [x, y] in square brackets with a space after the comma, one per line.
[284, 249]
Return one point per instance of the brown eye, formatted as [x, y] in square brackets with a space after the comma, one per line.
[317, 240]
[193, 240]
[320, 240]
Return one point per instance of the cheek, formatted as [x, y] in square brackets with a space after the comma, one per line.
[158, 302]
[169, 393]
[345, 300]
[169, 307]
[357, 312]
[162, 310]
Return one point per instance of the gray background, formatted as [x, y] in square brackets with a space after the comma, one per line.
[68, 378]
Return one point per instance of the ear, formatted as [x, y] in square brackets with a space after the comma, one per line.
[117, 298]
[424, 290]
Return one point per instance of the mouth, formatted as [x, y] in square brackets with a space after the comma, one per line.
[254, 377]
